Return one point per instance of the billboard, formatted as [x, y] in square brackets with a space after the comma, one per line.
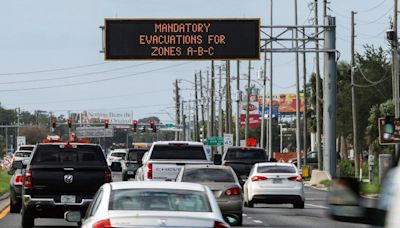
[285, 102]
[182, 39]
[253, 113]
[114, 118]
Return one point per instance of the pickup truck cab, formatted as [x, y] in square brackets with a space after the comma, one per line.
[242, 159]
[164, 160]
[60, 177]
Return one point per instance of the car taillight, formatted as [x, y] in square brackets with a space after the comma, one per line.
[150, 171]
[28, 178]
[107, 176]
[103, 224]
[258, 178]
[18, 180]
[235, 191]
[296, 178]
[220, 225]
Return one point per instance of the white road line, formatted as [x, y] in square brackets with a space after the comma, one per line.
[249, 217]
[318, 206]
[245, 215]
[257, 221]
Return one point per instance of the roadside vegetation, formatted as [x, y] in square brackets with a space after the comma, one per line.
[4, 182]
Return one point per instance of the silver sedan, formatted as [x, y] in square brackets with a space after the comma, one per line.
[151, 204]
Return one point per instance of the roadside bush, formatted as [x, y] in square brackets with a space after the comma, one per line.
[346, 168]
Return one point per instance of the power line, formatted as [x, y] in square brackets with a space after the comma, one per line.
[368, 80]
[372, 8]
[74, 76]
[115, 108]
[91, 82]
[52, 70]
[377, 19]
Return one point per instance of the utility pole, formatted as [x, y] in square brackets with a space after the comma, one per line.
[18, 120]
[228, 99]
[238, 98]
[183, 121]
[220, 117]
[325, 7]
[317, 89]
[395, 65]
[263, 101]
[212, 119]
[248, 103]
[270, 89]
[177, 108]
[202, 106]
[196, 117]
[353, 100]
[298, 148]
[305, 101]
[208, 106]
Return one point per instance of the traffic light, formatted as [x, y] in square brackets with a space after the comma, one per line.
[153, 126]
[388, 128]
[106, 122]
[135, 123]
[54, 124]
[69, 123]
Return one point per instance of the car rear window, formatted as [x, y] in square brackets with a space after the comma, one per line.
[207, 175]
[179, 151]
[80, 155]
[134, 155]
[22, 154]
[26, 148]
[276, 169]
[159, 200]
[245, 154]
[118, 154]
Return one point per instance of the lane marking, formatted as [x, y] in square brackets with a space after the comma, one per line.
[244, 215]
[257, 221]
[317, 206]
[4, 212]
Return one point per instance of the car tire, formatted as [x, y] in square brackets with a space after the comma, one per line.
[14, 207]
[250, 204]
[124, 177]
[27, 221]
[299, 205]
[240, 219]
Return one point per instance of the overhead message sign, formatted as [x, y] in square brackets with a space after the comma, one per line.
[182, 39]
[94, 132]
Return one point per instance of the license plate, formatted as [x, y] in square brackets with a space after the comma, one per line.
[68, 199]
[130, 172]
[277, 181]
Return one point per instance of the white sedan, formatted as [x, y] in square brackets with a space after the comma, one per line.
[275, 183]
[151, 204]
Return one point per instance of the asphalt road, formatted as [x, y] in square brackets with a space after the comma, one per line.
[262, 215]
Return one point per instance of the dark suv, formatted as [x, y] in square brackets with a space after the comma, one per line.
[62, 177]
[242, 159]
[130, 163]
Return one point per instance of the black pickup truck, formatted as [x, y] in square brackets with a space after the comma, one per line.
[62, 177]
[242, 159]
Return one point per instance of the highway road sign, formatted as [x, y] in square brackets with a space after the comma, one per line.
[94, 132]
[215, 141]
[169, 125]
[228, 140]
[182, 39]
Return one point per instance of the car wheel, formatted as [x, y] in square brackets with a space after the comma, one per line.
[124, 177]
[28, 221]
[299, 205]
[14, 207]
[250, 204]
[240, 219]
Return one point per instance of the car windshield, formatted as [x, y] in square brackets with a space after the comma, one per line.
[276, 169]
[159, 200]
[178, 151]
[22, 154]
[245, 154]
[134, 155]
[119, 154]
[207, 175]
[80, 155]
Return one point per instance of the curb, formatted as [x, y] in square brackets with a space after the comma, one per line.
[317, 188]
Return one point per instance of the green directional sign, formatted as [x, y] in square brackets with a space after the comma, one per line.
[169, 125]
[215, 141]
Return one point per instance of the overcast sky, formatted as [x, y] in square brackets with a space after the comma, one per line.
[45, 35]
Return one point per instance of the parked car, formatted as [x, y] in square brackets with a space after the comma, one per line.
[274, 183]
[114, 159]
[62, 176]
[21, 155]
[26, 147]
[17, 170]
[164, 160]
[151, 204]
[242, 159]
[223, 183]
[130, 163]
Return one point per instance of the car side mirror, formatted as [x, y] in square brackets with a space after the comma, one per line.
[73, 216]
[18, 165]
[217, 159]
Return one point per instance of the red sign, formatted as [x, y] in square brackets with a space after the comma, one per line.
[254, 121]
[251, 142]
